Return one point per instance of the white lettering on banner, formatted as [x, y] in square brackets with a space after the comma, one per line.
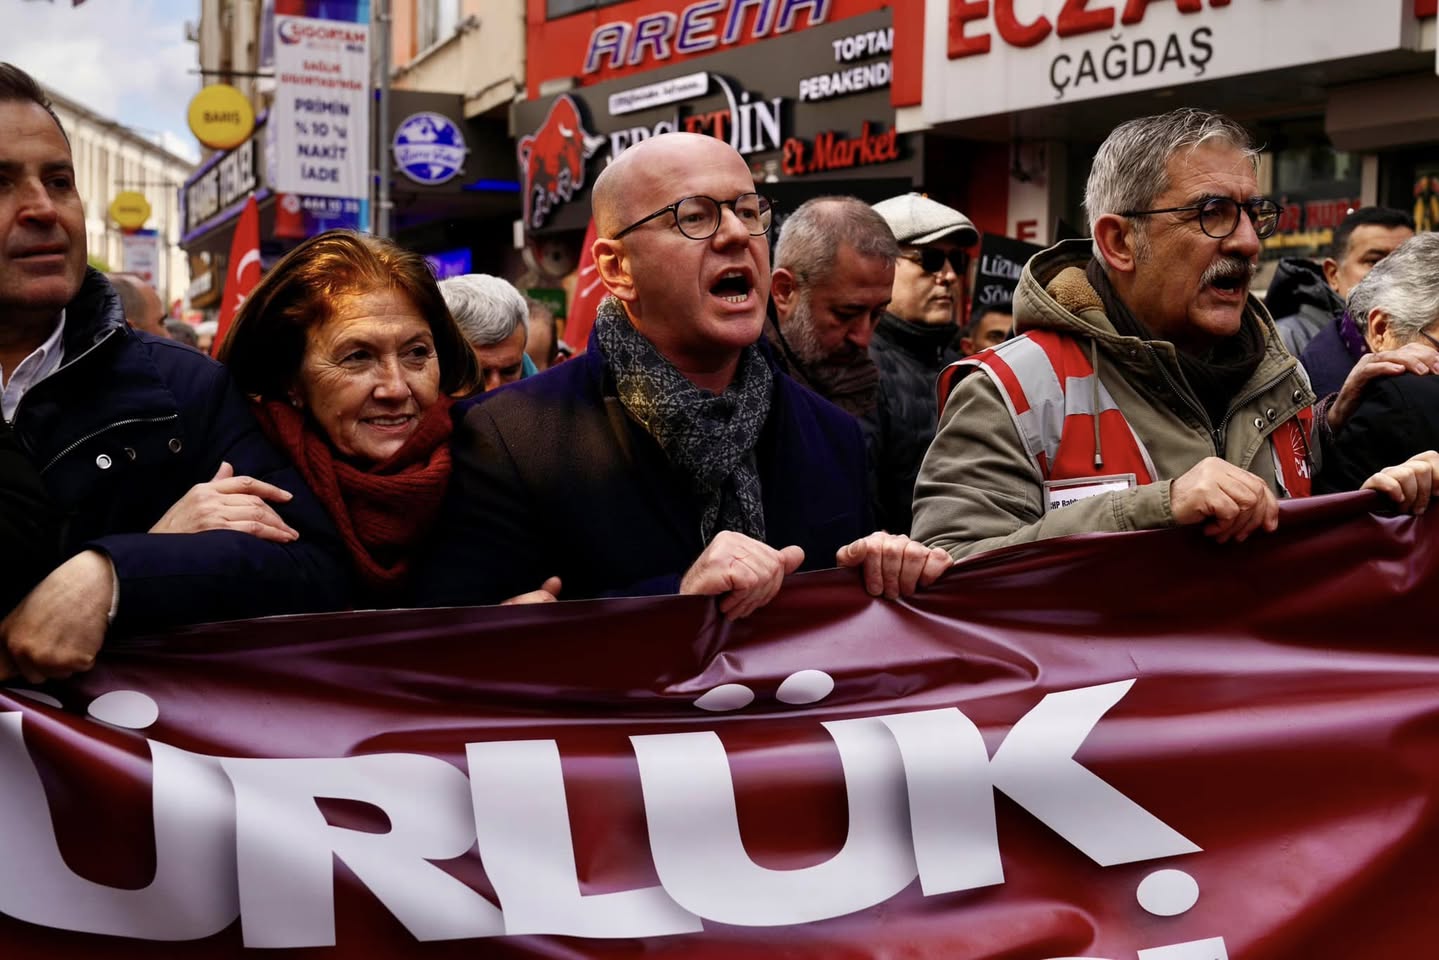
[523, 826]
[194, 892]
[701, 859]
[920, 789]
[322, 107]
[287, 849]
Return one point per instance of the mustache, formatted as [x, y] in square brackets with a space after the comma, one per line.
[1230, 268]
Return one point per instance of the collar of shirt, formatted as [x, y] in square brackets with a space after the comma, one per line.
[36, 367]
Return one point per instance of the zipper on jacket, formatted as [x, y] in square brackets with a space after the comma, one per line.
[1214, 435]
[1224, 424]
[108, 427]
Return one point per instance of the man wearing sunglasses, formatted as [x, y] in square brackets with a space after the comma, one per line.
[672, 456]
[913, 342]
[1147, 388]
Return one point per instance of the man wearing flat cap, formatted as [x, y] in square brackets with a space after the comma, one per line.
[912, 343]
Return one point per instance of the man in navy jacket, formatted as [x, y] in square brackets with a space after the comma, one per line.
[120, 425]
[673, 456]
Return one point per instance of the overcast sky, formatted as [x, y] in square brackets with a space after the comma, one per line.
[124, 59]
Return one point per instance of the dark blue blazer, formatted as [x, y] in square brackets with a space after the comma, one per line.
[553, 478]
[122, 430]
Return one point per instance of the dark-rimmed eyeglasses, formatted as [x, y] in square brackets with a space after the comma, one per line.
[699, 217]
[1219, 216]
[1429, 338]
[934, 259]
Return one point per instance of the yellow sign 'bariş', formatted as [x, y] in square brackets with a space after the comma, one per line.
[130, 210]
[221, 117]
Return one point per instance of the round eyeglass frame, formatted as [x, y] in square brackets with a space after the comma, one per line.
[1263, 213]
[766, 215]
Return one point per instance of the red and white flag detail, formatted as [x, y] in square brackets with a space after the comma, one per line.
[243, 270]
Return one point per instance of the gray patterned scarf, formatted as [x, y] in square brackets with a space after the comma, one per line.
[710, 438]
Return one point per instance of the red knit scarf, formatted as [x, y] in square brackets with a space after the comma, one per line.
[382, 512]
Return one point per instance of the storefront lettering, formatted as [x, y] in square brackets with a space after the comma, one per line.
[856, 79]
[1075, 18]
[1134, 59]
[660, 36]
[215, 189]
[832, 151]
[870, 76]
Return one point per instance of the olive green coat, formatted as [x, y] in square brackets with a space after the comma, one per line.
[979, 490]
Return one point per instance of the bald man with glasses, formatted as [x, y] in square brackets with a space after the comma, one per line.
[673, 456]
[1147, 388]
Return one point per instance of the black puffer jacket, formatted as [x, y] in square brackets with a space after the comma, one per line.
[909, 357]
[1301, 302]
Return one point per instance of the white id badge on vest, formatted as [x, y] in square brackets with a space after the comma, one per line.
[1061, 493]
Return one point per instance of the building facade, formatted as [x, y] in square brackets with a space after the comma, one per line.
[111, 159]
[805, 90]
[1341, 96]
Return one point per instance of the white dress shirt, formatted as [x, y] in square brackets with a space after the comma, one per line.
[30, 371]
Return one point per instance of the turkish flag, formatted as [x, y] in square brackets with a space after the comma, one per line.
[243, 270]
[589, 291]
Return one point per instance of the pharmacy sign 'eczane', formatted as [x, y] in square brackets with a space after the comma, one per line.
[988, 57]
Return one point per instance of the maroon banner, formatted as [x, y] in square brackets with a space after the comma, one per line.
[1128, 746]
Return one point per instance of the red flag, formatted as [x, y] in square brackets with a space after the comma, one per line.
[243, 270]
[589, 291]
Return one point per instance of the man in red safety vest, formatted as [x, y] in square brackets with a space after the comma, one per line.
[1148, 388]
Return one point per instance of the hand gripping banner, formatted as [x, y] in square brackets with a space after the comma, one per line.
[1133, 747]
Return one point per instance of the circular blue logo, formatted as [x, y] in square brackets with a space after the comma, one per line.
[429, 148]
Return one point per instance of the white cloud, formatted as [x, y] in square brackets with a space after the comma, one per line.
[181, 146]
[125, 59]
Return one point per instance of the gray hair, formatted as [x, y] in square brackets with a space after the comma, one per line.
[487, 309]
[810, 239]
[1405, 285]
[1131, 168]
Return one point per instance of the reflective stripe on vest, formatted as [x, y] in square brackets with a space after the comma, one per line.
[1055, 398]
[1049, 386]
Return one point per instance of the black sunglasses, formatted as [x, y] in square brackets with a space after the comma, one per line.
[933, 259]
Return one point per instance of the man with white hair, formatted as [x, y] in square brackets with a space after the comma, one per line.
[1147, 388]
[494, 318]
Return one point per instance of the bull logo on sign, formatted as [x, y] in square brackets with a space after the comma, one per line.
[553, 160]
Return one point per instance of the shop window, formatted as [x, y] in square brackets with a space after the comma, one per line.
[1317, 186]
[1409, 181]
[437, 21]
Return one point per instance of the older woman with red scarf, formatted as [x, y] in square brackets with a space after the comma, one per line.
[352, 361]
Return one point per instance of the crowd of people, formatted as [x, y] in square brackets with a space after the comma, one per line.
[370, 437]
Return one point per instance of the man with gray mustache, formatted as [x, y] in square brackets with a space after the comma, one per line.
[1148, 388]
